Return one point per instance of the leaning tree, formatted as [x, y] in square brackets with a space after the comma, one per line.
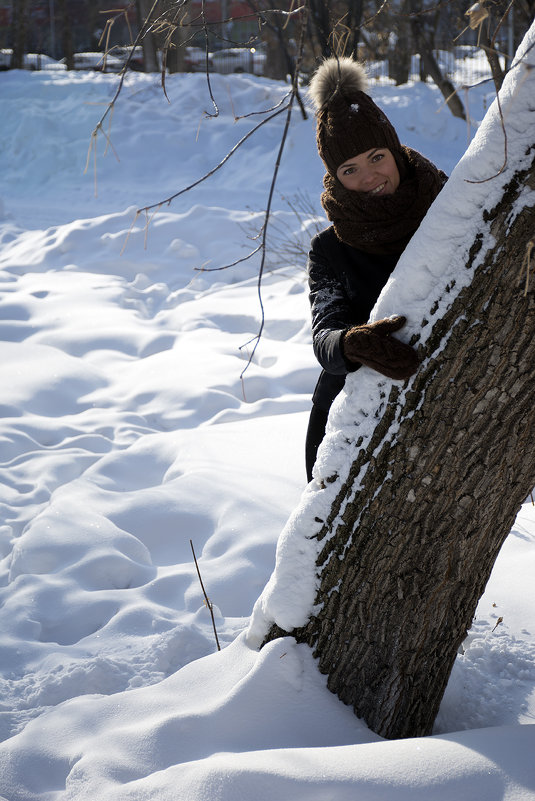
[417, 485]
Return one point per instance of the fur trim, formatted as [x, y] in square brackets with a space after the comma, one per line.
[343, 74]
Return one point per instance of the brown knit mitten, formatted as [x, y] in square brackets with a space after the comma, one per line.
[372, 345]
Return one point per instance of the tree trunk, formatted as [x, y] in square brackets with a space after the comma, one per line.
[425, 545]
[278, 60]
[172, 40]
[407, 546]
[19, 33]
[279, 63]
[66, 34]
[399, 54]
[432, 68]
[355, 10]
[150, 56]
[321, 23]
[492, 57]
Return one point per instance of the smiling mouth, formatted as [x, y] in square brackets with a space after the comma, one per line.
[378, 189]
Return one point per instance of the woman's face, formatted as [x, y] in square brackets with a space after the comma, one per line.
[374, 171]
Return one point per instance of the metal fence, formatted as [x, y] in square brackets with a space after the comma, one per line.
[464, 65]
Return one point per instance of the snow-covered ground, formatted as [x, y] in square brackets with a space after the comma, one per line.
[127, 431]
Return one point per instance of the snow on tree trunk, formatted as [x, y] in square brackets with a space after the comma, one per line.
[417, 485]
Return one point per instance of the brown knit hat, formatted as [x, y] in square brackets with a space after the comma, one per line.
[348, 121]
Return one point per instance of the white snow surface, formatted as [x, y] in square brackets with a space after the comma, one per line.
[126, 431]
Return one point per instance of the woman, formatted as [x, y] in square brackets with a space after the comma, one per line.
[377, 192]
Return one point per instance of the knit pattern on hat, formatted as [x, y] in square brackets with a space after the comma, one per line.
[348, 121]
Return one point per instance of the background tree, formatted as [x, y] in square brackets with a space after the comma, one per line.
[387, 33]
[66, 34]
[172, 38]
[320, 22]
[355, 10]
[146, 12]
[19, 32]
[425, 48]
[409, 527]
[399, 54]
[278, 36]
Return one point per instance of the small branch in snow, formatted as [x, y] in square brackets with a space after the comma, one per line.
[206, 599]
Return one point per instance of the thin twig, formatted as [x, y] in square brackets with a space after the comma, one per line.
[427, 10]
[232, 264]
[502, 122]
[148, 220]
[295, 85]
[129, 232]
[207, 600]
[193, 23]
[218, 166]
[208, 79]
[110, 107]
[264, 111]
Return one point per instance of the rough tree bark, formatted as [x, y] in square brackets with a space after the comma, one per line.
[409, 542]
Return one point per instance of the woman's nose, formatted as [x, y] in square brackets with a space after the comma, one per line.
[367, 177]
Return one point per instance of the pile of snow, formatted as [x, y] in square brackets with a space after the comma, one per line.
[127, 431]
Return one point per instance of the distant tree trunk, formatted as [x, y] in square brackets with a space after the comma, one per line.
[19, 32]
[414, 530]
[494, 62]
[174, 52]
[321, 23]
[498, 74]
[172, 39]
[150, 55]
[399, 56]
[66, 34]
[354, 20]
[278, 60]
[432, 68]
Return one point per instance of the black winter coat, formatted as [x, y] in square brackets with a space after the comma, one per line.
[344, 284]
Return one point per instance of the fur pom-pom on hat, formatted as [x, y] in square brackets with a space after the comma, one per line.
[348, 121]
[342, 75]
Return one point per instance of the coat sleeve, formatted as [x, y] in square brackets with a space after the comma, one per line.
[332, 313]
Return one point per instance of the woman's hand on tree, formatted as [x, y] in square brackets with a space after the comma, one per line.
[373, 345]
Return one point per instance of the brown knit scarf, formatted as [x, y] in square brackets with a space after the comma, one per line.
[386, 223]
